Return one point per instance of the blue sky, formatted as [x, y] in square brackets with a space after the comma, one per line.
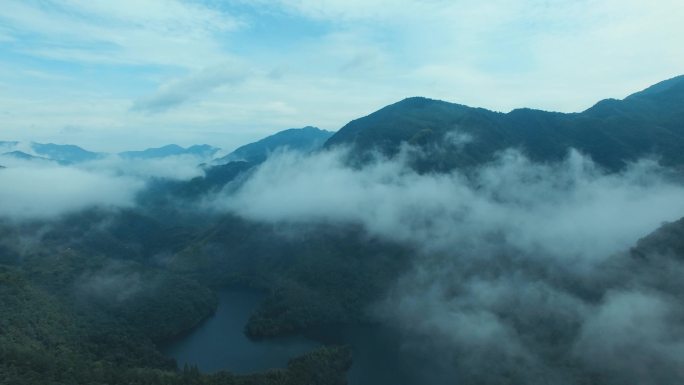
[128, 74]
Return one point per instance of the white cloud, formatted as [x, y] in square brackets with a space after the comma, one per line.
[630, 335]
[562, 55]
[179, 167]
[194, 86]
[570, 210]
[39, 191]
[43, 189]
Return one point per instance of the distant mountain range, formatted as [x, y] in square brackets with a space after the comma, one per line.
[67, 154]
[613, 132]
[298, 139]
[64, 153]
[24, 156]
[203, 150]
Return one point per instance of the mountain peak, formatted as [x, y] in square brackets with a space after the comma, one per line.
[171, 150]
[673, 85]
[309, 128]
[415, 102]
[304, 139]
[662, 99]
[168, 147]
[24, 156]
[64, 153]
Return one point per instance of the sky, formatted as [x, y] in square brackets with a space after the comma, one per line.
[131, 74]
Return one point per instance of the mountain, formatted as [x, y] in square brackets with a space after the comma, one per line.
[612, 132]
[239, 162]
[64, 153]
[70, 154]
[660, 104]
[214, 179]
[24, 156]
[203, 150]
[666, 90]
[305, 139]
[668, 240]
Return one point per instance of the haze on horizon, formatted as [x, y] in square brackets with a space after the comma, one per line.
[128, 75]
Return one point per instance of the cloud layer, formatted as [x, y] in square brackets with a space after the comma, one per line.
[32, 192]
[520, 273]
[196, 85]
[42, 189]
[541, 208]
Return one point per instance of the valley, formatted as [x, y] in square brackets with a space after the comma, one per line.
[424, 242]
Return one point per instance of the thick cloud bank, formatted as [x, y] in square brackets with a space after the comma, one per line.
[177, 167]
[42, 191]
[520, 273]
[38, 188]
[571, 209]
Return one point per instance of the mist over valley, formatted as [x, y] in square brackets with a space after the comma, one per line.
[161, 224]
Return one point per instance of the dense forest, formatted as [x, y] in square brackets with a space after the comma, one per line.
[73, 315]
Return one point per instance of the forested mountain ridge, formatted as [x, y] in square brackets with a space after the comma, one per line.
[64, 153]
[612, 132]
[203, 150]
[226, 169]
[443, 136]
[304, 140]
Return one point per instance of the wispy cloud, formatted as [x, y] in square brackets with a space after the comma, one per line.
[163, 32]
[194, 86]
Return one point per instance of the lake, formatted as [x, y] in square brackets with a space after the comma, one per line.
[219, 343]
[379, 357]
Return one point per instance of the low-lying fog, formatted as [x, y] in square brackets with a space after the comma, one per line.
[520, 273]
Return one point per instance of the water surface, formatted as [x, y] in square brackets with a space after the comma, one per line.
[220, 343]
[380, 354]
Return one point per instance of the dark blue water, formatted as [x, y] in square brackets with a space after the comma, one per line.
[220, 343]
[379, 356]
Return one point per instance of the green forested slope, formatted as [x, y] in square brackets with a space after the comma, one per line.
[612, 132]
